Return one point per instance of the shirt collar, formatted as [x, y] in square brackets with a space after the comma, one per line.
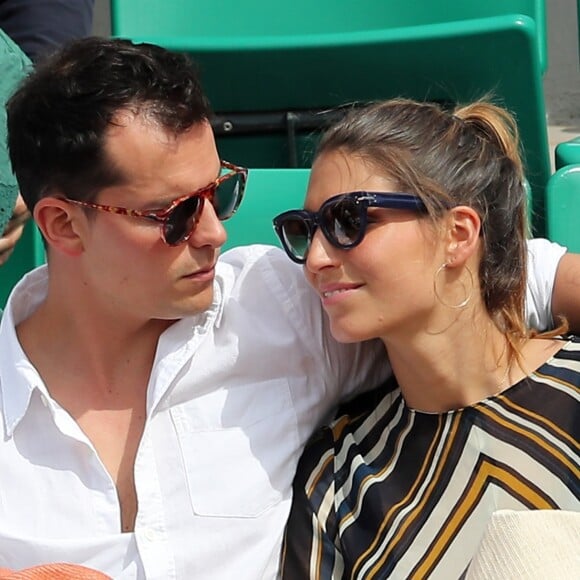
[179, 342]
[18, 377]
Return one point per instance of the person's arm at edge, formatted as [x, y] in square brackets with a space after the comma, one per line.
[566, 294]
[13, 230]
[542, 265]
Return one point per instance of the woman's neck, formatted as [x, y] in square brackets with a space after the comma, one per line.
[466, 362]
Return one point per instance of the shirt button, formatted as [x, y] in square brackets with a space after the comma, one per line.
[150, 535]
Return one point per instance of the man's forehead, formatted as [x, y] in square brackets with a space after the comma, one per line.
[140, 123]
[132, 135]
[144, 152]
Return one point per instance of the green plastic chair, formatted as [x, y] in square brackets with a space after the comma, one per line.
[567, 153]
[225, 24]
[563, 203]
[271, 73]
[268, 193]
[28, 254]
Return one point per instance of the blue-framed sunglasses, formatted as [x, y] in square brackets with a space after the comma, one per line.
[342, 219]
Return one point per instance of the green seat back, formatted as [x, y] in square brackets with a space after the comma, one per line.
[228, 24]
[567, 153]
[268, 193]
[563, 204]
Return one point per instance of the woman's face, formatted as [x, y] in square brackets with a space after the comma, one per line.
[382, 288]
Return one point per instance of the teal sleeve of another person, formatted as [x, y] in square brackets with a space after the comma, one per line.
[14, 65]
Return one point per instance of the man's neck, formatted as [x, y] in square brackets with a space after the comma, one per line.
[67, 340]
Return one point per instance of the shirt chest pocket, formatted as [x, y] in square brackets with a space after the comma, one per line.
[239, 448]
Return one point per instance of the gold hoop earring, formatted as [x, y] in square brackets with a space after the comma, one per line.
[468, 295]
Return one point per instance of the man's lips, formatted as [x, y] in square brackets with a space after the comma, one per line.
[204, 273]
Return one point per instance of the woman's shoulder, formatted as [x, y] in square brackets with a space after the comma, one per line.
[561, 372]
[566, 360]
[571, 346]
[550, 395]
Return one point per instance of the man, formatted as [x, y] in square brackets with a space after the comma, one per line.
[154, 400]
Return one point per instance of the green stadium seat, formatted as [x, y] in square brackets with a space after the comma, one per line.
[269, 192]
[223, 24]
[567, 153]
[563, 205]
[271, 73]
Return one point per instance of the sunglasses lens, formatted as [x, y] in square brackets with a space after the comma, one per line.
[228, 195]
[296, 237]
[342, 222]
[182, 220]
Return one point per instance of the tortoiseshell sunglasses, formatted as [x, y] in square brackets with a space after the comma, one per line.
[179, 218]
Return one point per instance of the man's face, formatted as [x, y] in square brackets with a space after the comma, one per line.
[127, 266]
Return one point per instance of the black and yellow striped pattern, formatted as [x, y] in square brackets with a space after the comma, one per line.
[387, 492]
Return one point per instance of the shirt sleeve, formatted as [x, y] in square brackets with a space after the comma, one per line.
[311, 545]
[338, 370]
[543, 259]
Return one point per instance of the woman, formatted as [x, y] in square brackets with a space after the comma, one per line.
[414, 232]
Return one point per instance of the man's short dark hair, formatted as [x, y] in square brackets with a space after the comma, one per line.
[58, 118]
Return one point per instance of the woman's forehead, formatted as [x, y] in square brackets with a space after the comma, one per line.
[337, 172]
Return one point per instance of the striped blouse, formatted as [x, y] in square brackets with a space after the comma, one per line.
[389, 492]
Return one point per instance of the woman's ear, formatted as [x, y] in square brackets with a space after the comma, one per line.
[463, 229]
[60, 224]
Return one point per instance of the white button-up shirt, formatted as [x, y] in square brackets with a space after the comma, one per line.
[233, 396]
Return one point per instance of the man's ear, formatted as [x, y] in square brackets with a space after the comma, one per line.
[60, 224]
[463, 229]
